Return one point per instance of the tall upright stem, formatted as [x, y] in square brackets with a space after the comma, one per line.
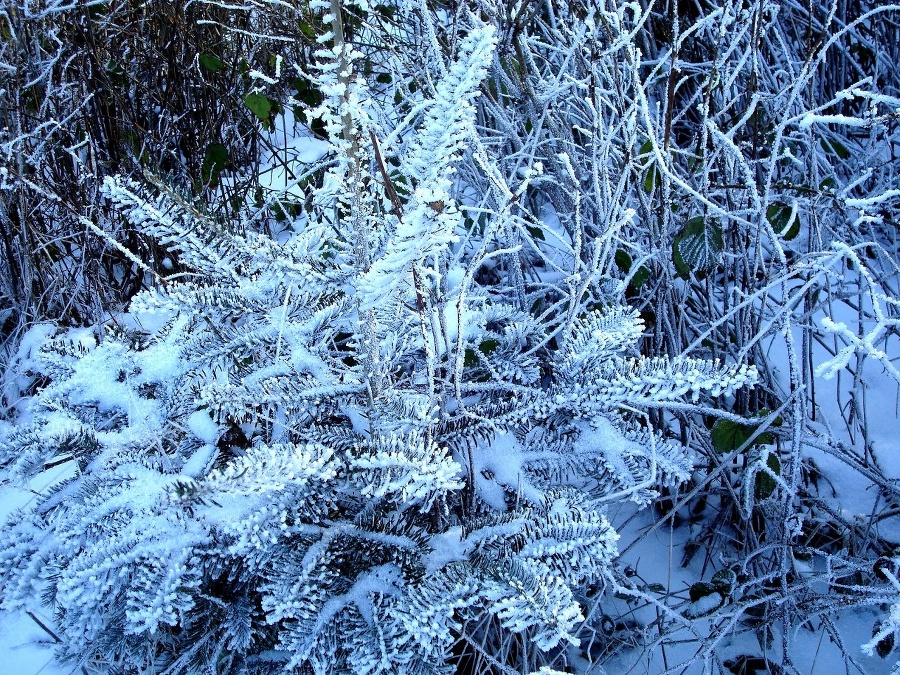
[351, 136]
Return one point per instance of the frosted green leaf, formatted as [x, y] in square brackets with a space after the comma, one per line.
[699, 245]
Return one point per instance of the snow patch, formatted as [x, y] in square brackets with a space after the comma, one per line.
[203, 427]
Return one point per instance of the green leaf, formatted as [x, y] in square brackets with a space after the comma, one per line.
[651, 180]
[728, 436]
[623, 260]
[700, 590]
[488, 346]
[286, 210]
[386, 11]
[834, 147]
[779, 216]
[828, 185]
[699, 245]
[651, 177]
[470, 360]
[535, 232]
[94, 12]
[640, 277]
[214, 161]
[886, 644]
[259, 105]
[116, 72]
[765, 412]
[724, 580]
[680, 266]
[695, 162]
[306, 92]
[765, 485]
[211, 62]
[307, 30]
[384, 78]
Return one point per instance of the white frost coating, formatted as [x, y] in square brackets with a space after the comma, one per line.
[863, 202]
[160, 362]
[203, 427]
[811, 118]
[854, 343]
[446, 547]
[430, 220]
[197, 463]
[892, 624]
[877, 99]
[705, 605]
[409, 467]
[256, 75]
[499, 465]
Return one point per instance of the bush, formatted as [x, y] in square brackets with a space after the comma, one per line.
[427, 289]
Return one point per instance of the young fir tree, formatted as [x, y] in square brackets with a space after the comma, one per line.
[347, 448]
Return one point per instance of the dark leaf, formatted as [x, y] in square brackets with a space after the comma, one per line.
[259, 105]
[779, 217]
[211, 62]
[765, 484]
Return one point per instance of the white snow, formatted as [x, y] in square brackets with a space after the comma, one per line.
[198, 462]
[203, 427]
[499, 465]
[811, 118]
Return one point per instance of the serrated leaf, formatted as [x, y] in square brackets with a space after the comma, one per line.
[728, 435]
[259, 105]
[700, 244]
